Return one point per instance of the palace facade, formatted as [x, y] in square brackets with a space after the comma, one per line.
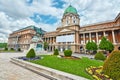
[70, 35]
[22, 38]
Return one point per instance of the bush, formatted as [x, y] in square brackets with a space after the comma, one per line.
[19, 49]
[56, 52]
[67, 53]
[111, 66]
[100, 56]
[6, 49]
[12, 49]
[31, 54]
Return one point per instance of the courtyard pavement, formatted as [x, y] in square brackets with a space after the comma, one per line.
[10, 71]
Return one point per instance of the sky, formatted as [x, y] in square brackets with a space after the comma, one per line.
[47, 14]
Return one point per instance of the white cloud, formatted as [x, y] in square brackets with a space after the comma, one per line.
[14, 14]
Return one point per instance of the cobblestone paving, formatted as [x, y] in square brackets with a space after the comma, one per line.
[10, 71]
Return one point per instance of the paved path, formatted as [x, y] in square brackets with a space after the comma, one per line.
[10, 71]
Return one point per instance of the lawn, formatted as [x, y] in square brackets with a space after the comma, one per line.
[8, 51]
[76, 67]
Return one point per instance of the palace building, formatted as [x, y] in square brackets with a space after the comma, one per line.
[22, 38]
[70, 35]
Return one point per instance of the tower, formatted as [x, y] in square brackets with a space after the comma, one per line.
[70, 17]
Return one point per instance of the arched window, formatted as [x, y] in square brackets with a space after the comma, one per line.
[74, 21]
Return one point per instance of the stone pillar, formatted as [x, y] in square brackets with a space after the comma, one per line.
[113, 36]
[53, 39]
[84, 38]
[104, 33]
[90, 36]
[97, 37]
[50, 40]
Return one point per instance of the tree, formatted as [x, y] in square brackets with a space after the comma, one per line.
[3, 45]
[88, 45]
[91, 46]
[45, 45]
[106, 45]
[103, 44]
[110, 46]
[94, 46]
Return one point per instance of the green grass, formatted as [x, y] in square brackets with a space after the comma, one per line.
[7, 51]
[76, 67]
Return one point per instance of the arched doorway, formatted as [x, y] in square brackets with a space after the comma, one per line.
[81, 49]
[119, 48]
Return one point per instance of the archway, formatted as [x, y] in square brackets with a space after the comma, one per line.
[119, 48]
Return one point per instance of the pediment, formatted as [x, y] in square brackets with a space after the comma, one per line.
[64, 30]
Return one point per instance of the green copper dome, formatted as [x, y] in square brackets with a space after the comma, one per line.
[70, 9]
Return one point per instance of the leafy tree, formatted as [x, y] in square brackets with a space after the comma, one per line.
[110, 46]
[91, 46]
[103, 44]
[45, 45]
[88, 45]
[3, 45]
[94, 46]
[106, 45]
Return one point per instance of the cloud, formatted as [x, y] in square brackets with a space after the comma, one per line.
[16, 14]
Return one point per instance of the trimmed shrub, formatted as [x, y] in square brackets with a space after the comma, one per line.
[31, 54]
[12, 49]
[111, 65]
[56, 52]
[6, 49]
[19, 49]
[100, 56]
[67, 53]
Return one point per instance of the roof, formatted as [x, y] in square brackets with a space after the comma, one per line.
[36, 39]
[117, 16]
[70, 9]
[38, 30]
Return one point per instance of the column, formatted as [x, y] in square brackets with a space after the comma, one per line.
[53, 40]
[50, 40]
[113, 36]
[104, 33]
[84, 38]
[90, 36]
[45, 39]
[97, 37]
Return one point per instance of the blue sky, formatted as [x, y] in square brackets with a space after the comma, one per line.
[47, 14]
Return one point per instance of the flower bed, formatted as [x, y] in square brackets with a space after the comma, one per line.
[71, 57]
[97, 73]
[27, 59]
